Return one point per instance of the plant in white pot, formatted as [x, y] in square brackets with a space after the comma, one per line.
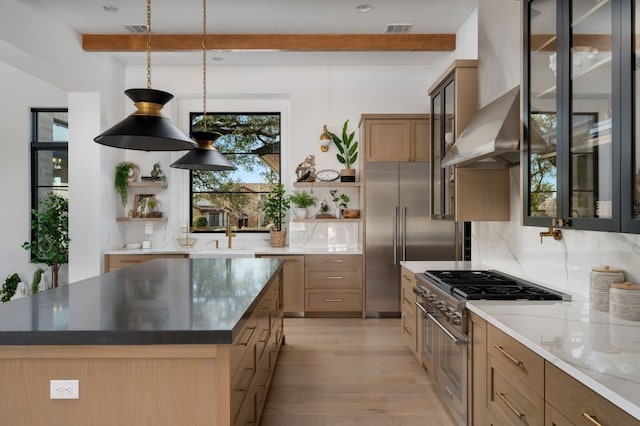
[301, 201]
[275, 206]
[347, 153]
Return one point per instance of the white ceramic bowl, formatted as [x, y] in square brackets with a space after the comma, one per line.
[132, 246]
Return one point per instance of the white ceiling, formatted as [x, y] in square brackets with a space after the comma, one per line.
[266, 16]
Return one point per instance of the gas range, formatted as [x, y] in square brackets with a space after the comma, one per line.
[490, 285]
[444, 293]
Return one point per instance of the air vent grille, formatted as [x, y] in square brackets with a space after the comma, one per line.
[136, 29]
[398, 28]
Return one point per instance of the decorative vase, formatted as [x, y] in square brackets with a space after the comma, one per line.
[351, 213]
[278, 238]
[132, 176]
[300, 212]
[347, 175]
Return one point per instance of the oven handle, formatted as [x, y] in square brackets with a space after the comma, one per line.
[419, 305]
[456, 340]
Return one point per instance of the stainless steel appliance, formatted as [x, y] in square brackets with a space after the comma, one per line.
[398, 227]
[442, 298]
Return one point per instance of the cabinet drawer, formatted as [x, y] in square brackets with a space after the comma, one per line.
[244, 342]
[510, 400]
[333, 300]
[517, 359]
[242, 381]
[113, 262]
[575, 401]
[553, 417]
[334, 278]
[330, 260]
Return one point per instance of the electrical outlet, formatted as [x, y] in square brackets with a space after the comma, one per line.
[64, 389]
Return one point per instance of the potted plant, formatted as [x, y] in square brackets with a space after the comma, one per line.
[9, 287]
[347, 153]
[275, 206]
[126, 172]
[51, 223]
[301, 201]
[341, 201]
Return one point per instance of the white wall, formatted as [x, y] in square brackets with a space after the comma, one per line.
[22, 93]
[508, 246]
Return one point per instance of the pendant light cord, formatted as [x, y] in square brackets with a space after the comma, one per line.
[148, 44]
[204, 64]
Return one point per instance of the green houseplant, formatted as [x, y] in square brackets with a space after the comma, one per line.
[51, 225]
[301, 201]
[125, 171]
[9, 287]
[347, 153]
[274, 207]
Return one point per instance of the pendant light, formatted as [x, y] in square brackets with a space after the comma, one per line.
[206, 156]
[146, 129]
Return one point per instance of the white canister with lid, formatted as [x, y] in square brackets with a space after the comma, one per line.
[601, 279]
[624, 301]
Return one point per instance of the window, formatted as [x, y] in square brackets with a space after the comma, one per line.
[49, 153]
[251, 141]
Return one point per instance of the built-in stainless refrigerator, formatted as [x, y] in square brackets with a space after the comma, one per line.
[398, 227]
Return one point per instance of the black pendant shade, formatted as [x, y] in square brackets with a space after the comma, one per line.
[146, 129]
[205, 157]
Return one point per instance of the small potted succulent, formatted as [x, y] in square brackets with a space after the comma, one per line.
[347, 153]
[302, 201]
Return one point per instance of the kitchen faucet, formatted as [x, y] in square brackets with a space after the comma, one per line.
[228, 233]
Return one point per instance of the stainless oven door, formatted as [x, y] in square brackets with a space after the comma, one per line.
[428, 341]
[451, 369]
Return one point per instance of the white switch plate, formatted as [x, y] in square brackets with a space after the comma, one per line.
[64, 389]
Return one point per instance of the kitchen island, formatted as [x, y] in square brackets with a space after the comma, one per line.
[169, 341]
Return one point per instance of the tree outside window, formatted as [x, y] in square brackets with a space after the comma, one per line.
[251, 141]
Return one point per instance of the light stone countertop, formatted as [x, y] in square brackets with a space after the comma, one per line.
[238, 252]
[595, 348]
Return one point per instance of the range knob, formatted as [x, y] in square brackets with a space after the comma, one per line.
[457, 320]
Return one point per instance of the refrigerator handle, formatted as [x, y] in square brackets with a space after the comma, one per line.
[394, 238]
[403, 230]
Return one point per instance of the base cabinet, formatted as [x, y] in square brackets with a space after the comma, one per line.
[292, 284]
[113, 262]
[478, 372]
[333, 285]
[576, 404]
[410, 313]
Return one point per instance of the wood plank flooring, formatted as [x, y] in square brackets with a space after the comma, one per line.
[350, 372]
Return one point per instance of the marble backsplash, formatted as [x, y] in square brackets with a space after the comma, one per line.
[325, 235]
[564, 265]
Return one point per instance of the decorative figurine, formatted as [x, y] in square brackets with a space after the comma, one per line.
[306, 171]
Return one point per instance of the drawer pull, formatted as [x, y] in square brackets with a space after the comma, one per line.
[249, 331]
[406, 330]
[333, 278]
[335, 261]
[244, 388]
[333, 300]
[592, 419]
[509, 356]
[504, 399]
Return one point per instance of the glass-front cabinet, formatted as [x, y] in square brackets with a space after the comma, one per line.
[581, 95]
[572, 114]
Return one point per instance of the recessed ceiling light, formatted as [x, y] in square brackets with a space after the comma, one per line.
[364, 8]
[110, 8]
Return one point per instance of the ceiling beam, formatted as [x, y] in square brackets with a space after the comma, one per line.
[282, 42]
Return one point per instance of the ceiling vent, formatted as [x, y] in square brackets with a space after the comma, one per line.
[398, 28]
[136, 29]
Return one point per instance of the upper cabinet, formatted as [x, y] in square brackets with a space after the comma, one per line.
[579, 99]
[396, 137]
[470, 193]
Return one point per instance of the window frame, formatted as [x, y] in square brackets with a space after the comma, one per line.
[192, 115]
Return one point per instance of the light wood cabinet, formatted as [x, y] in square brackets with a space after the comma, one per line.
[575, 403]
[410, 313]
[396, 137]
[292, 283]
[113, 262]
[477, 397]
[515, 381]
[461, 194]
[333, 285]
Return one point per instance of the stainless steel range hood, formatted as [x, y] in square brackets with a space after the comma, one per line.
[491, 137]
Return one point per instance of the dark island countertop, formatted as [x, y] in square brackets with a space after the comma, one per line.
[163, 301]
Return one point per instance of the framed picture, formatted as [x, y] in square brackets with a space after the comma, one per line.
[144, 205]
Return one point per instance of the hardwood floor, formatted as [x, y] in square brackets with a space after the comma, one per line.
[337, 372]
